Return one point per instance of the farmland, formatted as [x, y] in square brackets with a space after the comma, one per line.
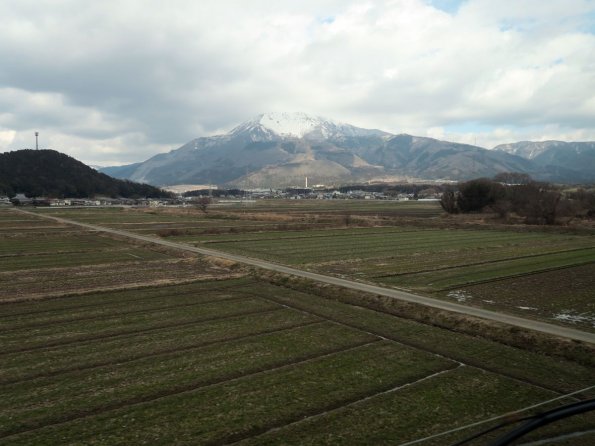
[395, 245]
[180, 349]
[239, 360]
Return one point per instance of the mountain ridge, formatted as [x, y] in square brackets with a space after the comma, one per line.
[280, 149]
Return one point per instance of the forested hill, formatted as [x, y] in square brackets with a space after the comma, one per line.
[53, 174]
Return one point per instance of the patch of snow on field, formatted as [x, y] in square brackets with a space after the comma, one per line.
[459, 295]
[574, 318]
[488, 301]
[527, 308]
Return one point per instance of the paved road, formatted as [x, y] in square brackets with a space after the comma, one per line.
[396, 294]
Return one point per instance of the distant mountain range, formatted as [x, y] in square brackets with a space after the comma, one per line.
[53, 174]
[567, 162]
[281, 149]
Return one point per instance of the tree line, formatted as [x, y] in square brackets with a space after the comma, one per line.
[511, 193]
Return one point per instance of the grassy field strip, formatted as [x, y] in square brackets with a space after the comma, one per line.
[556, 329]
[56, 242]
[572, 287]
[37, 262]
[49, 283]
[27, 224]
[150, 226]
[100, 352]
[219, 228]
[11, 217]
[298, 235]
[518, 275]
[417, 262]
[530, 368]
[35, 230]
[431, 406]
[190, 224]
[62, 274]
[445, 279]
[87, 304]
[53, 373]
[123, 310]
[44, 249]
[122, 217]
[37, 403]
[251, 404]
[15, 311]
[63, 251]
[22, 263]
[67, 333]
[329, 413]
[395, 245]
[490, 261]
[27, 236]
[312, 251]
[425, 237]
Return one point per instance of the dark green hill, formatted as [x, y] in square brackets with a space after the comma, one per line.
[53, 174]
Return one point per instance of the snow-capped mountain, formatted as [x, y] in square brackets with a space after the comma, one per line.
[268, 126]
[280, 149]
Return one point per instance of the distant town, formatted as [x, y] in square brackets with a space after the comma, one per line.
[227, 196]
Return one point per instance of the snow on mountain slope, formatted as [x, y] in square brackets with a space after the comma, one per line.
[300, 125]
[279, 149]
[529, 149]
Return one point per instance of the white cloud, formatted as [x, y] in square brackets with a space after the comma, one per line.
[119, 81]
[7, 137]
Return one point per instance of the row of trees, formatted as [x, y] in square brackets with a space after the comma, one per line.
[537, 202]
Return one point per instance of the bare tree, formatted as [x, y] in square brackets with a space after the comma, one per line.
[203, 203]
[448, 201]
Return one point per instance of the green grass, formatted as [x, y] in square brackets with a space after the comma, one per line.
[553, 373]
[126, 323]
[463, 275]
[36, 261]
[67, 306]
[35, 403]
[459, 397]
[55, 243]
[214, 362]
[119, 349]
[372, 243]
[234, 409]
[244, 360]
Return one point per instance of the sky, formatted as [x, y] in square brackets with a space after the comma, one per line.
[115, 82]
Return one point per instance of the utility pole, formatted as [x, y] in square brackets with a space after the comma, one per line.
[36, 140]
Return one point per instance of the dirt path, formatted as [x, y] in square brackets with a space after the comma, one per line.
[543, 327]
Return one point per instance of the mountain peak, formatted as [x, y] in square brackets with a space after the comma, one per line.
[293, 124]
[300, 125]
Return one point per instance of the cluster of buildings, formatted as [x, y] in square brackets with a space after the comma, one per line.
[220, 195]
[22, 200]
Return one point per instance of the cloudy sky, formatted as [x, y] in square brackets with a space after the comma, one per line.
[114, 82]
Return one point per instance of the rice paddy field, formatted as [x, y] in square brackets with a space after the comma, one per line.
[532, 273]
[238, 361]
[165, 349]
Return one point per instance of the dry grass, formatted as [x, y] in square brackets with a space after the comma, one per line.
[54, 282]
[221, 263]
